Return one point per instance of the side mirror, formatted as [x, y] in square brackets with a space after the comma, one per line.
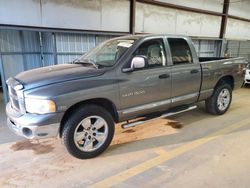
[136, 63]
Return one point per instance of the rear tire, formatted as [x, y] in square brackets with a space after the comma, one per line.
[221, 99]
[88, 131]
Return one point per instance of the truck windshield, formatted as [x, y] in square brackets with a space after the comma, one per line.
[107, 53]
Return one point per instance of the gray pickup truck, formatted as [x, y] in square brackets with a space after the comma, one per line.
[138, 77]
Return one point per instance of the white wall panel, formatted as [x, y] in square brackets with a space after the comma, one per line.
[139, 20]
[25, 12]
[212, 5]
[108, 15]
[156, 19]
[115, 15]
[240, 9]
[237, 29]
[72, 14]
[210, 25]
[188, 23]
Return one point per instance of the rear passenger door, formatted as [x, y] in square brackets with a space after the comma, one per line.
[185, 73]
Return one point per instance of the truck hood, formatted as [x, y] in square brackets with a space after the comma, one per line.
[56, 74]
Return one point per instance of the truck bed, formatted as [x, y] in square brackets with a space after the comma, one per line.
[214, 68]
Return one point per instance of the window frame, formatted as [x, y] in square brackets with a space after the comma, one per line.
[170, 54]
[166, 53]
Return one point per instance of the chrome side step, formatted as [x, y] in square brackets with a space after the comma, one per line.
[139, 122]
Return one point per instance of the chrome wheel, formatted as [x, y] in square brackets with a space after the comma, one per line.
[223, 100]
[91, 133]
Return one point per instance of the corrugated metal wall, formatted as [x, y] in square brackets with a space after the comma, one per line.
[25, 50]
[47, 49]
[238, 48]
[70, 46]
[207, 48]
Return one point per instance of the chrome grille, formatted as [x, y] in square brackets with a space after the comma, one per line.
[16, 95]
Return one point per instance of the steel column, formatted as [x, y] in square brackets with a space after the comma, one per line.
[238, 52]
[54, 49]
[224, 19]
[41, 48]
[5, 91]
[132, 17]
[23, 50]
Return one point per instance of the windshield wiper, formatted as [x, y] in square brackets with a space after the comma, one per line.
[85, 61]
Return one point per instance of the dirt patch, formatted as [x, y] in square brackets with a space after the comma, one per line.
[129, 131]
[175, 124]
[147, 130]
[35, 146]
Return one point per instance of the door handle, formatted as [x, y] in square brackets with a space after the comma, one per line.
[164, 76]
[194, 71]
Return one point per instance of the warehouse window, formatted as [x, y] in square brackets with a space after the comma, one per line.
[180, 51]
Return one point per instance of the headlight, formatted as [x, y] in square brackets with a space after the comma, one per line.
[39, 106]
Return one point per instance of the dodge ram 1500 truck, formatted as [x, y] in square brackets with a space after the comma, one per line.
[138, 77]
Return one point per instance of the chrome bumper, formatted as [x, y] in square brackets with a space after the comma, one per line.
[33, 132]
[33, 126]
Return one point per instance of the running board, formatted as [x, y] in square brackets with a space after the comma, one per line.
[139, 122]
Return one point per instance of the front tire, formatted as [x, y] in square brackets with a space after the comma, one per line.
[221, 99]
[88, 131]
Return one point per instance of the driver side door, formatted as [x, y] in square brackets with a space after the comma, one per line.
[146, 90]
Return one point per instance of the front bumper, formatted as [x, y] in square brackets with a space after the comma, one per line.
[33, 126]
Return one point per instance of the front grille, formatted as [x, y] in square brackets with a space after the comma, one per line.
[247, 80]
[16, 95]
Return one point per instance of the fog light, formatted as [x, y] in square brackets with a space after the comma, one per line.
[27, 132]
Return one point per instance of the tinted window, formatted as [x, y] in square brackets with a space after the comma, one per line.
[154, 51]
[181, 53]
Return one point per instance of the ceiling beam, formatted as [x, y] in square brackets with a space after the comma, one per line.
[189, 9]
[179, 7]
[238, 18]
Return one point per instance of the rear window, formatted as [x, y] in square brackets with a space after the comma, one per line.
[180, 51]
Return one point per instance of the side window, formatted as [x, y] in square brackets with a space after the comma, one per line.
[180, 50]
[154, 51]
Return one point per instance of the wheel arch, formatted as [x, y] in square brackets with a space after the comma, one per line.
[226, 79]
[105, 103]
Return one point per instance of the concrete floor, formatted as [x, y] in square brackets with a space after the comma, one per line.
[194, 149]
